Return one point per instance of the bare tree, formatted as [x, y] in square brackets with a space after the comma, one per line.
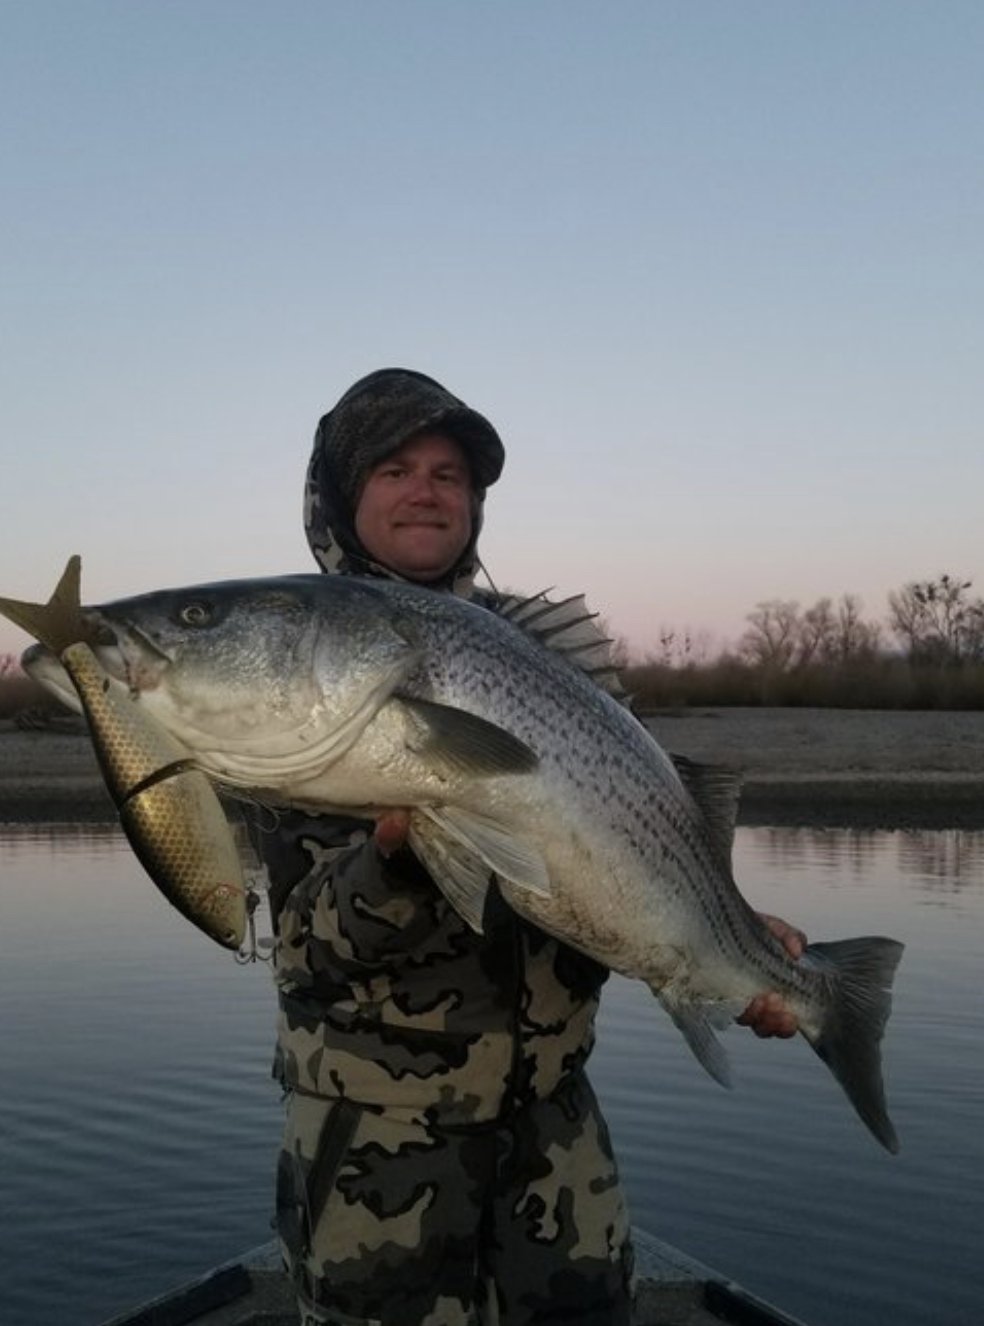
[772, 637]
[817, 633]
[855, 638]
[681, 649]
[667, 646]
[938, 621]
[781, 638]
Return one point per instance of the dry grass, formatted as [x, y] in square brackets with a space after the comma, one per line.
[877, 683]
[19, 693]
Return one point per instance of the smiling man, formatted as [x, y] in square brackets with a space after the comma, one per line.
[415, 508]
[444, 1160]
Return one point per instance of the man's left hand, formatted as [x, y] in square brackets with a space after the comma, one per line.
[767, 1014]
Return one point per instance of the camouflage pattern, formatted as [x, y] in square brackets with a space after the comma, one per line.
[439, 1124]
[444, 1159]
[388, 998]
[388, 1221]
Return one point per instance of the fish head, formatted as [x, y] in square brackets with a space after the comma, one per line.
[210, 662]
[258, 678]
[213, 661]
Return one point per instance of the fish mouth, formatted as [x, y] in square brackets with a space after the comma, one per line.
[128, 653]
[129, 657]
[42, 666]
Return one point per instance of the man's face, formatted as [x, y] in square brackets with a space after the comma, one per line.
[415, 510]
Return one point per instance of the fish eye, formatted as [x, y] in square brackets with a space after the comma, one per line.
[196, 613]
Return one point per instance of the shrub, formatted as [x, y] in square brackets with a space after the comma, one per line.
[880, 682]
[18, 692]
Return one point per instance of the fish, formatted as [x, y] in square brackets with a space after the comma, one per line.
[168, 809]
[496, 728]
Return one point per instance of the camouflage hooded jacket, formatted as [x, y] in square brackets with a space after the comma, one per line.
[386, 996]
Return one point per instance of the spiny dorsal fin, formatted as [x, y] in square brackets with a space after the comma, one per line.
[568, 627]
[717, 790]
[59, 622]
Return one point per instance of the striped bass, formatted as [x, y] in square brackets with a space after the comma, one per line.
[353, 695]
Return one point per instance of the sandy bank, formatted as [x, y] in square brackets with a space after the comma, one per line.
[841, 766]
[798, 765]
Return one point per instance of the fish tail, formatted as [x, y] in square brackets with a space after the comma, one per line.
[857, 975]
[59, 622]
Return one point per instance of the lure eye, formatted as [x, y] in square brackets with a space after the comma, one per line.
[195, 614]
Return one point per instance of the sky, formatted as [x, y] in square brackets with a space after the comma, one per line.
[714, 269]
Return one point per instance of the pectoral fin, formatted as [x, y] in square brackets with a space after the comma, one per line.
[467, 743]
[462, 877]
[696, 1022]
[463, 850]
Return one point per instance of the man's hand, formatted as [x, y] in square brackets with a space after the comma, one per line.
[767, 1015]
[392, 827]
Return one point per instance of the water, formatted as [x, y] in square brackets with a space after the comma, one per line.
[777, 1184]
[139, 1124]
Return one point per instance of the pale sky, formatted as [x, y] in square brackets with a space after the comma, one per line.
[714, 268]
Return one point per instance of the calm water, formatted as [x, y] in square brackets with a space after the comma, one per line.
[138, 1123]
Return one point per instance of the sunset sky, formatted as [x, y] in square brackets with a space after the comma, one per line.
[714, 268]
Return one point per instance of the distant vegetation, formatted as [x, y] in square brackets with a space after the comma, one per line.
[18, 693]
[927, 654]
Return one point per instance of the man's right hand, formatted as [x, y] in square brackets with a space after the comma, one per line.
[392, 827]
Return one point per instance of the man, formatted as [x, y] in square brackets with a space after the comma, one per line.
[444, 1158]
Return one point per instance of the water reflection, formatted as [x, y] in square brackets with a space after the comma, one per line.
[28, 839]
[745, 1180]
[138, 1111]
[950, 857]
[849, 852]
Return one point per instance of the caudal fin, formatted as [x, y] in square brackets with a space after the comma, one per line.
[59, 622]
[858, 974]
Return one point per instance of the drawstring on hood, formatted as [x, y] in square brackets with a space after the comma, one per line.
[371, 421]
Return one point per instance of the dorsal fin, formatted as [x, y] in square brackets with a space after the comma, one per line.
[568, 627]
[717, 790]
[59, 622]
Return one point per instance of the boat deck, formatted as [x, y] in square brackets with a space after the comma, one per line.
[674, 1290]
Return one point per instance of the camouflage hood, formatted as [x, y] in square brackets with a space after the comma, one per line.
[375, 417]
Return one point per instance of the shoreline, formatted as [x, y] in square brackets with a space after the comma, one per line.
[841, 767]
[866, 768]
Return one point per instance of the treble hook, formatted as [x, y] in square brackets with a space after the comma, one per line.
[250, 952]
